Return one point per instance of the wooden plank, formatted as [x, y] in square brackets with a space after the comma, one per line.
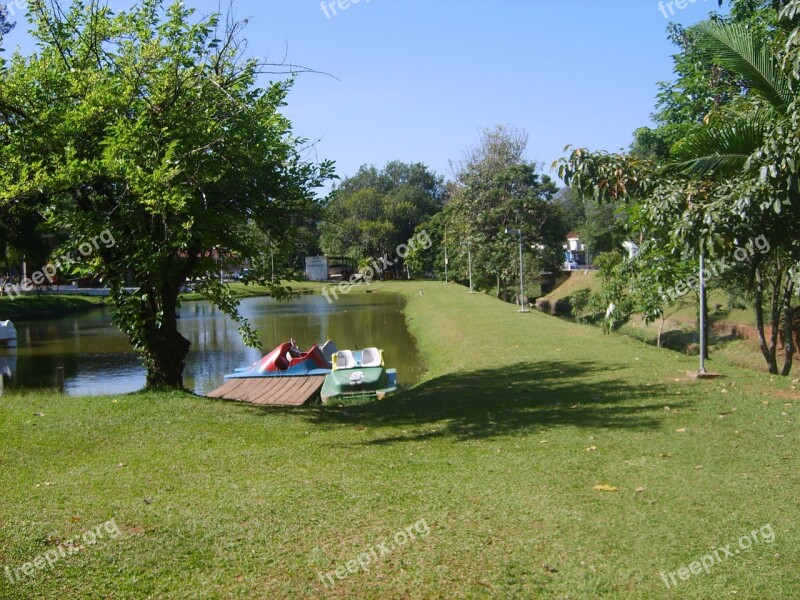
[273, 391]
[269, 389]
[228, 387]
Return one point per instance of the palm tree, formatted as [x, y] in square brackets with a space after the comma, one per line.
[724, 148]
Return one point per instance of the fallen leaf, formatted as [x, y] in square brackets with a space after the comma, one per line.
[698, 467]
[120, 465]
[639, 490]
[765, 403]
[38, 414]
[240, 578]
[542, 441]
[664, 455]
[681, 430]
[591, 448]
[75, 519]
[606, 488]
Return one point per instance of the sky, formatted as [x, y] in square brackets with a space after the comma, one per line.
[417, 80]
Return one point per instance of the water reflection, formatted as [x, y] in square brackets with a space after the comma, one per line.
[98, 359]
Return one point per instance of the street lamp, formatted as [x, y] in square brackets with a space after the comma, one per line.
[703, 309]
[522, 308]
[445, 255]
[469, 262]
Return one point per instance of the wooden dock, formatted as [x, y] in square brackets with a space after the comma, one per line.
[271, 391]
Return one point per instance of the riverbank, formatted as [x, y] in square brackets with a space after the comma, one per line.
[46, 306]
[26, 308]
[732, 339]
[543, 458]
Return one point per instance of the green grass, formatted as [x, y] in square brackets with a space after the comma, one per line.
[218, 499]
[33, 307]
[578, 280]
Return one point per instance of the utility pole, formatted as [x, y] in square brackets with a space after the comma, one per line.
[522, 308]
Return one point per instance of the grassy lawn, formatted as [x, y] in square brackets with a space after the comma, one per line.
[32, 307]
[240, 290]
[487, 470]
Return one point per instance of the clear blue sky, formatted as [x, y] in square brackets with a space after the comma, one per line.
[417, 79]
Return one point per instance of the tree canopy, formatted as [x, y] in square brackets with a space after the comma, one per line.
[721, 170]
[372, 213]
[149, 126]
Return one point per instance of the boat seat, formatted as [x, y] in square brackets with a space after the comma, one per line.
[370, 357]
[345, 359]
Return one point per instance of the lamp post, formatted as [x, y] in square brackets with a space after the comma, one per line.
[703, 309]
[522, 308]
[469, 262]
[445, 255]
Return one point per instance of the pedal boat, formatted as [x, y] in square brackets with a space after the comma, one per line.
[358, 374]
[287, 360]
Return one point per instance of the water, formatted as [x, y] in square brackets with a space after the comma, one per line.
[98, 359]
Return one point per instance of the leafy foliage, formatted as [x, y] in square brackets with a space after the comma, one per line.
[149, 125]
[496, 188]
[370, 214]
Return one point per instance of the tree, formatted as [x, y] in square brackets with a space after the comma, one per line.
[738, 149]
[496, 188]
[726, 131]
[372, 213]
[147, 127]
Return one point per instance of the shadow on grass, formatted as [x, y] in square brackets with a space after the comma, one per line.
[509, 400]
[686, 341]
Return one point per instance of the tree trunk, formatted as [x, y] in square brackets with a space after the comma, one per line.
[788, 325]
[769, 356]
[166, 347]
[660, 331]
[777, 284]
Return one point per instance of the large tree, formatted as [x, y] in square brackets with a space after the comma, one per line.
[732, 178]
[148, 127]
[497, 188]
[741, 148]
[373, 212]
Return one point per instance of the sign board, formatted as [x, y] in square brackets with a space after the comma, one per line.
[317, 268]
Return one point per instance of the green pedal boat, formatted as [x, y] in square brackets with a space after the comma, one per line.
[358, 373]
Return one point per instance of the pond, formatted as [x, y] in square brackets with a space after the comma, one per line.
[98, 359]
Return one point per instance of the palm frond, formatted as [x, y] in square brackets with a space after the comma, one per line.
[721, 149]
[740, 51]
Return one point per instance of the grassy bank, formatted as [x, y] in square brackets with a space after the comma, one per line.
[38, 307]
[48, 306]
[240, 290]
[498, 451]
